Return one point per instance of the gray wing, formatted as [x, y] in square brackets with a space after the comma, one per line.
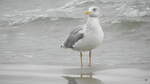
[74, 37]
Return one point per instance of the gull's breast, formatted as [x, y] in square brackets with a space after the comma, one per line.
[90, 41]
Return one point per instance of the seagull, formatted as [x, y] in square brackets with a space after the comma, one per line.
[86, 37]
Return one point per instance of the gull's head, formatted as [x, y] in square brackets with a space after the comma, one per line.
[92, 12]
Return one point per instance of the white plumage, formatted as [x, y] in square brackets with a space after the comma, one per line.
[87, 36]
[93, 36]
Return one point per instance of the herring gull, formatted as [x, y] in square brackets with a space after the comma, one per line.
[86, 37]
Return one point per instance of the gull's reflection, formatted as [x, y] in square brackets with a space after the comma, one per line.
[81, 76]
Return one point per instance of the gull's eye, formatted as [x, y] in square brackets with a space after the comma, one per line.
[94, 9]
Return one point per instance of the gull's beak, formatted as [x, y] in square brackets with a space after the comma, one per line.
[87, 12]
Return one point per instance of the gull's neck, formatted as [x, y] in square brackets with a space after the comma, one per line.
[94, 26]
[93, 23]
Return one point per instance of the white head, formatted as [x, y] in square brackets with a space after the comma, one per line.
[92, 12]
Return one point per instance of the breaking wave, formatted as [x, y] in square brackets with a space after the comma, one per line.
[111, 11]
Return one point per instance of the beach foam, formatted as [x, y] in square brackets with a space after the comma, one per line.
[117, 12]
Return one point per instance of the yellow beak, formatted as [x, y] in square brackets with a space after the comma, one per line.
[87, 12]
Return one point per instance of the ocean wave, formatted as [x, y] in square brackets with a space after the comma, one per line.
[73, 9]
[21, 17]
[78, 3]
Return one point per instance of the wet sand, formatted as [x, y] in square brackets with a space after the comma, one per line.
[30, 54]
[39, 74]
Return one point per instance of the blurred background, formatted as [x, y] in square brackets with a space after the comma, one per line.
[31, 32]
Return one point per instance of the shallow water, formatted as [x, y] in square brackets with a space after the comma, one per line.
[39, 42]
[30, 43]
[37, 74]
[31, 53]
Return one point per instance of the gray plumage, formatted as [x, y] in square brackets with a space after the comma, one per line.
[73, 37]
[86, 37]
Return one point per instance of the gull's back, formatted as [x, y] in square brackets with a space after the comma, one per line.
[74, 37]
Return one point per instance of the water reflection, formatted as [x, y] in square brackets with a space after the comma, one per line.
[81, 76]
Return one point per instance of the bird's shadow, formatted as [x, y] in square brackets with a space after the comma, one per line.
[81, 76]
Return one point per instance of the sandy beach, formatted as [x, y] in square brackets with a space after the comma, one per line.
[38, 74]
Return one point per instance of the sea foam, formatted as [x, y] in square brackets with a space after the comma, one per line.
[111, 11]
